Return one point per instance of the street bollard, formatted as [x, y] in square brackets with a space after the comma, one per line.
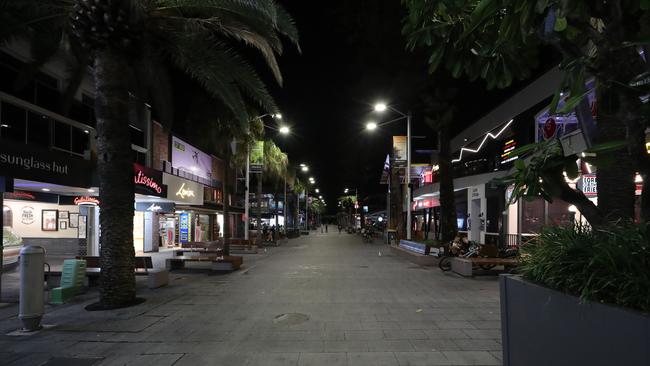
[32, 259]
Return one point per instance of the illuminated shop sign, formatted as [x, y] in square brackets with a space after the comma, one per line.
[183, 191]
[424, 204]
[508, 147]
[86, 200]
[549, 126]
[78, 200]
[158, 207]
[148, 181]
[184, 227]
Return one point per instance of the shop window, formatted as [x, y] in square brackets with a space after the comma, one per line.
[38, 129]
[559, 214]
[79, 143]
[532, 216]
[62, 136]
[13, 122]
[7, 217]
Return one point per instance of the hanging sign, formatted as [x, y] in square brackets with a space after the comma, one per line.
[588, 185]
[399, 150]
[148, 181]
[257, 157]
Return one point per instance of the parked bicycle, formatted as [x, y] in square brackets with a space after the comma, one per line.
[459, 247]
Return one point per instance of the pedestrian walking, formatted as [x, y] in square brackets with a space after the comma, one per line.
[340, 229]
[326, 228]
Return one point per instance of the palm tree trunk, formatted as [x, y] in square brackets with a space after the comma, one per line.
[226, 203]
[116, 194]
[259, 209]
[448, 225]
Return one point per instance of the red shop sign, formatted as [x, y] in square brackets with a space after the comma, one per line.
[148, 181]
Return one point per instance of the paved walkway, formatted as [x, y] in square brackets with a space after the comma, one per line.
[325, 299]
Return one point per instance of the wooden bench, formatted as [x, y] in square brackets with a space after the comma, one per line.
[465, 266]
[143, 267]
[218, 263]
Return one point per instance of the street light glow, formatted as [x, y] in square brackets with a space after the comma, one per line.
[284, 130]
[305, 168]
[277, 115]
[380, 107]
[317, 190]
[371, 126]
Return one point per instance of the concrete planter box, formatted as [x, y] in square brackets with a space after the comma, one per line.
[419, 259]
[542, 327]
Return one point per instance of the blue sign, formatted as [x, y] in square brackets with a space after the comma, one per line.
[184, 227]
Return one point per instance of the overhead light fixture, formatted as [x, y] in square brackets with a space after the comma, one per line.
[91, 190]
[480, 146]
[45, 189]
[380, 107]
[370, 126]
[284, 130]
[305, 168]
[4, 125]
[277, 115]
[86, 131]
[317, 190]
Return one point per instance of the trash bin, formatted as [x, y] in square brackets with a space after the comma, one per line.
[32, 259]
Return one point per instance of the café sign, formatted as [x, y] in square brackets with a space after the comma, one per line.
[182, 190]
[148, 181]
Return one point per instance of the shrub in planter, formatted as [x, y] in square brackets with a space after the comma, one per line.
[609, 264]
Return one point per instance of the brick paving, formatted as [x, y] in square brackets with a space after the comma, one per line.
[323, 299]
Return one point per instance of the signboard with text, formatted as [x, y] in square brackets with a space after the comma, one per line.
[29, 162]
[148, 181]
[156, 207]
[182, 190]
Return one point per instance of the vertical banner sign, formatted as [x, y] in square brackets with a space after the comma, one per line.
[399, 150]
[257, 157]
[184, 228]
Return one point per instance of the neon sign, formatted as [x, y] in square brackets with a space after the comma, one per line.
[86, 200]
[508, 148]
[143, 180]
[184, 192]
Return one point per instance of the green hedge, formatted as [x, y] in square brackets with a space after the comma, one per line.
[608, 265]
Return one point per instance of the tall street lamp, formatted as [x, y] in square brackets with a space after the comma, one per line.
[284, 130]
[380, 108]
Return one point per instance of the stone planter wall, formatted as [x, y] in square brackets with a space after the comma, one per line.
[542, 327]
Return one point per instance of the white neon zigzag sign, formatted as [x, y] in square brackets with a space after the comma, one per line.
[489, 134]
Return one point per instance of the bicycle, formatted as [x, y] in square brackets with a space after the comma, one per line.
[460, 248]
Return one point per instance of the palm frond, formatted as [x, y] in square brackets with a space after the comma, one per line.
[287, 26]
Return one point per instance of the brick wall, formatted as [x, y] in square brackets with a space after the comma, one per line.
[160, 145]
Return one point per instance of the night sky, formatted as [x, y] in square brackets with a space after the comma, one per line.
[353, 54]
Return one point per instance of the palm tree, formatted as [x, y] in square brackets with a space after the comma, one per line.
[275, 164]
[128, 41]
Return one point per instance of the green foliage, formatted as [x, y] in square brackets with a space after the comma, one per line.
[199, 37]
[275, 161]
[348, 201]
[10, 238]
[609, 265]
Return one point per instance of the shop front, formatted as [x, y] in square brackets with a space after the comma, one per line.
[189, 221]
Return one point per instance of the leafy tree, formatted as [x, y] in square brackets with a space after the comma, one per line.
[127, 42]
[275, 165]
[500, 40]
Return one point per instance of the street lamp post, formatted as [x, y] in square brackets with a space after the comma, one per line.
[381, 107]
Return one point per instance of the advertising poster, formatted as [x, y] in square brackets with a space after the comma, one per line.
[257, 157]
[188, 158]
[399, 150]
[184, 228]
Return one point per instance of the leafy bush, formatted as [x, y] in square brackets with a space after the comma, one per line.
[10, 238]
[609, 264]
